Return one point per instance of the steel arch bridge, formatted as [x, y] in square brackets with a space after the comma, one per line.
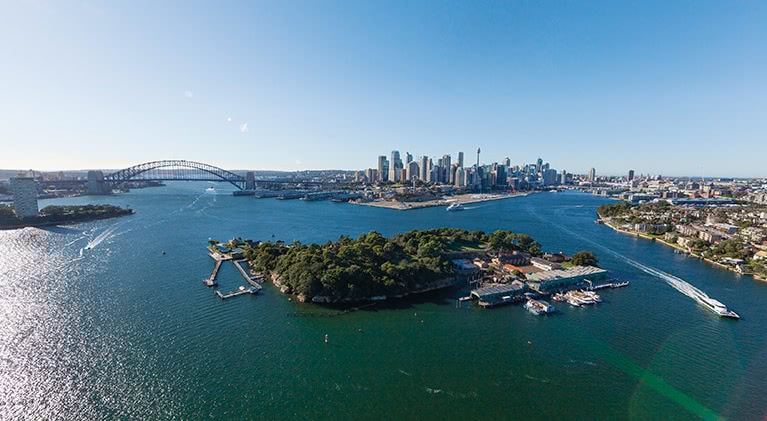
[175, 170]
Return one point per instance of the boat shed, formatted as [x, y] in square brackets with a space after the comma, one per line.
[496, 294]
[553, 280]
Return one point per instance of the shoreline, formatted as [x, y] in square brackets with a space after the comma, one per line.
[680, 248]
[463, 199]
[59, 223]
[274, 278]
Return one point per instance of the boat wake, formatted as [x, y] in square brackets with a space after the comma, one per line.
[105, 235]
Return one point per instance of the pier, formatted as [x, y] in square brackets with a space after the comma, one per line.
[241, 291]
[211, 281]
[245, 274]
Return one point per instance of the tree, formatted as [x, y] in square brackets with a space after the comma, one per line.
[585, 258]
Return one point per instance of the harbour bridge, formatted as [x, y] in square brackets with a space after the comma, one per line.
[172, 170]
[167, 170]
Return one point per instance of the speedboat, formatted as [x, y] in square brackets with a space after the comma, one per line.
[455, 206]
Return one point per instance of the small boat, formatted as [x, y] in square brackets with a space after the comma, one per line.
[539, 307]
[455, 206]
[210, 190]
[620, 284]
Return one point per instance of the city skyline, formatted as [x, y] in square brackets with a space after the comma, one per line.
[661, 88]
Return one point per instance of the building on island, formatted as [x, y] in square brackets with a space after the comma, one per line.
[553, 280]
[25, 197]
[500, 294]
[544, 264]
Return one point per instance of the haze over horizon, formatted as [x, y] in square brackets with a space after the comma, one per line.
[662, 88]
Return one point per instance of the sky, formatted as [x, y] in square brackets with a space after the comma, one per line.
[671, 88]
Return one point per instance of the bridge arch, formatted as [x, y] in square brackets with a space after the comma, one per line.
[175, 169]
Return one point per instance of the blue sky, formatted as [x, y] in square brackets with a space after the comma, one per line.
[673, 88]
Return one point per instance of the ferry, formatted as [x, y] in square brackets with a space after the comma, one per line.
[717, 307]
[539, 307]
[455, 206]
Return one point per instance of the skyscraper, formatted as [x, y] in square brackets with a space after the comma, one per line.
[446, 169]
[383, 168]
[631, 175]
[507, 162]
[478, 151]
[412, 170]
[460, 159]
[408, 157]
[424, 167]
[592, 175]
[395, 167]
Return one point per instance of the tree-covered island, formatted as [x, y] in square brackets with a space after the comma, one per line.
[352, 270]
[60, 215]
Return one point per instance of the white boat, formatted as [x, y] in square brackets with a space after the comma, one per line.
[210, 190]
[455, 206]
[717, 307]
[539, 307]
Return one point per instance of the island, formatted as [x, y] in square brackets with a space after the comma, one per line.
[732, 236]
[503, 265]
[61, 215]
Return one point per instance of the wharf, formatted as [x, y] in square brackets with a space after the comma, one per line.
[244, 273]
[240, 291]
[211, 281]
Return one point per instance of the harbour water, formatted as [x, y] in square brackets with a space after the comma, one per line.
[99, 324]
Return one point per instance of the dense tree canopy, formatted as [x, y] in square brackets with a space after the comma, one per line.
[372, 265]
[585, 258]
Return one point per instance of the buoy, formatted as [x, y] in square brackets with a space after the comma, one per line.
[326, 338]
[163, 252]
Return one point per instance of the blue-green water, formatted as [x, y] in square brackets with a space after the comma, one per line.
[122, 331]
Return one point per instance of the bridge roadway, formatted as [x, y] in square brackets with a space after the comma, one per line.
[177, 170]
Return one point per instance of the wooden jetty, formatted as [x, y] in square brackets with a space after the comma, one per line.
[241, 291]
[245, 274]
[211, 281]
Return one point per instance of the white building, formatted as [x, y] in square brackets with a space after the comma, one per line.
[25, 197]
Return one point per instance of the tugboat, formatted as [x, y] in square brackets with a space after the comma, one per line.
[455, 206]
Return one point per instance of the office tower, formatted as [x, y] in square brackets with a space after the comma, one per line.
[592, 175]
[563, 177]
[507, 162]
[412, 171]
[500, 174]
[549, 176]
[24, 197]
[460, 176]
[395, 167]
[460, 159]
[446, 169]
[383, 169]
[371, 174]
[424, 167]
[539, 165]
[631, 175]
[408, 157]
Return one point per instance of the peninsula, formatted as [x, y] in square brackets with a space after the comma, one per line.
[60, 215]
[733, 237]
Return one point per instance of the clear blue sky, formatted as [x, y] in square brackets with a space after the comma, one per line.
[669, 87]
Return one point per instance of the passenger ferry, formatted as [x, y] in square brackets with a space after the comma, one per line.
[455, 206]
[717, 307]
